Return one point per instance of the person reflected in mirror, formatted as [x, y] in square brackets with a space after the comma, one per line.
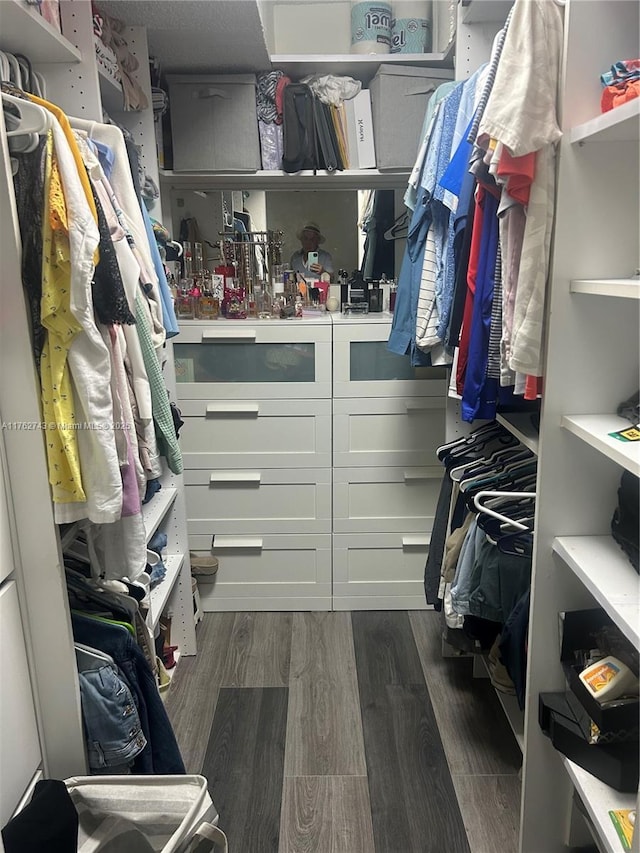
[308, 266]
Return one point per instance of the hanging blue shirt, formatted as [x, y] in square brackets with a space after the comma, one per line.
[168, 313]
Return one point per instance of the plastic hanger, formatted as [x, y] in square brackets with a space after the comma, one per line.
[33, 118]
[481, 507]
[401, 224]
[96, 654]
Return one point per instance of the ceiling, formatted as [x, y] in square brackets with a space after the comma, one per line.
[189, 36]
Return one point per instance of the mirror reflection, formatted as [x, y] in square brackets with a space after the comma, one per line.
[358, 229]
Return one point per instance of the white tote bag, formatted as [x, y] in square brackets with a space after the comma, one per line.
[145, 814]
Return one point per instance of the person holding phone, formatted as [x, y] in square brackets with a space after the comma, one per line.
[311, 261]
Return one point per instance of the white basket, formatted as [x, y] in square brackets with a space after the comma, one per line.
[174, 813]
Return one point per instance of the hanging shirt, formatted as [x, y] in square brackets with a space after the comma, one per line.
[522, 114]
[58, 408]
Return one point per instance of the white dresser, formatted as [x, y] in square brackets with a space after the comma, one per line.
[310, 453]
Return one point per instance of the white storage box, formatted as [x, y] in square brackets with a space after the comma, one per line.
[214, 125]
[399, 97]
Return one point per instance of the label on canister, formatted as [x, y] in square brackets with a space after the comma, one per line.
[371, 24]
[410, 35]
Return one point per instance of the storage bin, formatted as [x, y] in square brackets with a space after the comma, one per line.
[399, 97]
[214, 126]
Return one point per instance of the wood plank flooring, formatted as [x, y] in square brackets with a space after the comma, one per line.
[345, 733]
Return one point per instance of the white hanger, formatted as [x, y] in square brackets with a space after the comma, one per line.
[477, 501]
[33, 118]
[103, 657]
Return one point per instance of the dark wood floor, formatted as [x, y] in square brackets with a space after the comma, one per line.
[345, 733]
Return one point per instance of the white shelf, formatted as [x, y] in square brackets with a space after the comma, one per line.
[512, 711]
[599, 799]
[605, 570]
[157, 508]
[110, 91]
[19, 27]
[360, 66]
[622, 288]
[349, 179]
[620, 124]
[594, 429]
[160, 593]
[519, 424]
[485, 11]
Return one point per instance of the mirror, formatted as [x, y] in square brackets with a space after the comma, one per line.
[337, 212]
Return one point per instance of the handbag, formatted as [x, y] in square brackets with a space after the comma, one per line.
[145, 814]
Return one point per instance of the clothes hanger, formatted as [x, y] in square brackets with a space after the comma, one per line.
[481, 507]
[494, 426]
[96, 654]
[401, 224]
[34, 119]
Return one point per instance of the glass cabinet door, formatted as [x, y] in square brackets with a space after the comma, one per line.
[245, 362]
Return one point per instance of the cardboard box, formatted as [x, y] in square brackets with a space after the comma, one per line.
[399, 98]
[360, 134]
[614, 764]
[214, 125]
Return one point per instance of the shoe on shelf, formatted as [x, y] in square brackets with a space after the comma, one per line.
[203, 564]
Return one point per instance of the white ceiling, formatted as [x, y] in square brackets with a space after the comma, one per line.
[198, 35]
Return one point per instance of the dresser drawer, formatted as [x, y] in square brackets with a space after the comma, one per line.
[385, 500]
[379, 571]
[267, 500]
[256, 433]
[364, 367]
[268, 572]
[238, 359]
[372, 431]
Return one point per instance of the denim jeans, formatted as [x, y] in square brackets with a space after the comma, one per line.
[113, 733]
[161, 754]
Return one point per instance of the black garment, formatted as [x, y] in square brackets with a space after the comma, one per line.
[439, 532]
[48, 824]
[109, 298]
[379, 254]
[178, 423]
[462, 251]
[28, 184]
[513, 646]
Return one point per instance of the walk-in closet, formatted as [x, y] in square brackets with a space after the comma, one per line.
[320, 448]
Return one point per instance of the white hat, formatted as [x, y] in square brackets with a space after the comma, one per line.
[311, 226]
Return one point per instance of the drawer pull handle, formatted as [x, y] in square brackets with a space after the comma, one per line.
[416, 474]
[255, 544]
[415, 541]
[234, 477]
[229, 335]
[233, 408]
[412, 406]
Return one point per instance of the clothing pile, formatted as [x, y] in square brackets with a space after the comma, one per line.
[620, 84]
[269, 100]
[115, 49]
[472, 286]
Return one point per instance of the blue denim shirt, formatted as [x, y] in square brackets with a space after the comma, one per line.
[161, 754]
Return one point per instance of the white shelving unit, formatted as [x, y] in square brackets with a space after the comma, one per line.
[604, 569]
[22, 25]
[510, 707]
[620, 288]
[577, 564]
[621, 124]
[352, 65]
[595, 429]
[349, 179]
[75, 83]
[599, 799]
[160, 593]
[485, 11]
[154, 512]
[520, 425]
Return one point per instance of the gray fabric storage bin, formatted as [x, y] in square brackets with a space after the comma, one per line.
[399, 97]
[214, 126]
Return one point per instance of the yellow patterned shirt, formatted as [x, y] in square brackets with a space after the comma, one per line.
[62, 327]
